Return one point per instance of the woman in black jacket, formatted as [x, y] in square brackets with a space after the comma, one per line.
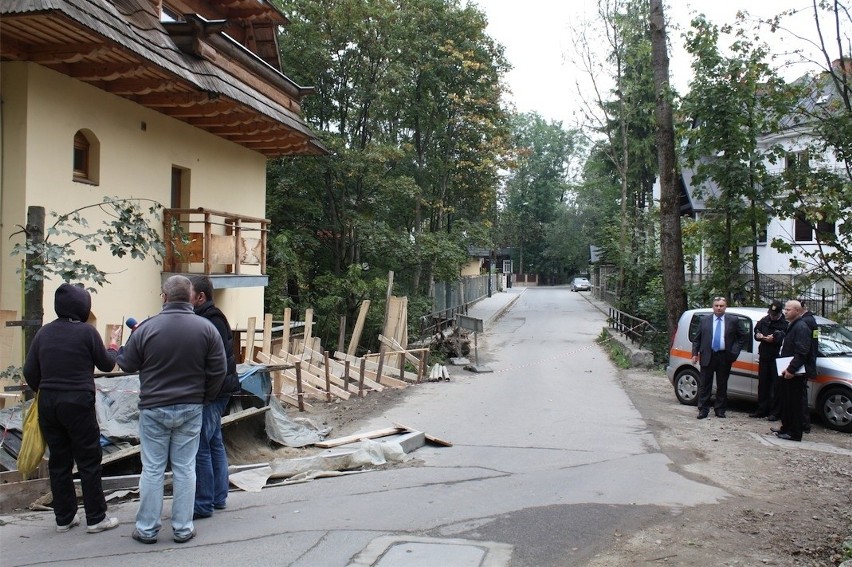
[60, 366]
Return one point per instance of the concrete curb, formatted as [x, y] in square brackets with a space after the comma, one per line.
[505, 308]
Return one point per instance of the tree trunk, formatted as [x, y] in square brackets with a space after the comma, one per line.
[671, 243]
[34, 296]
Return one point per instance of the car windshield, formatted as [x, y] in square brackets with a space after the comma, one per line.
[835, 340]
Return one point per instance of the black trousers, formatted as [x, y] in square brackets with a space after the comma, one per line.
[791, 405]
[768, 387]
[720, 367]
[70, 427]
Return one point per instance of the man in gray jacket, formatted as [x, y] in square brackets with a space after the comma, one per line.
[181, 365]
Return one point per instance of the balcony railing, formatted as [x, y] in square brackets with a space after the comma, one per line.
[222, 243]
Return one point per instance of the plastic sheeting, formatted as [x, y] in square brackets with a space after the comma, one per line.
[297, 432]
[368, 453]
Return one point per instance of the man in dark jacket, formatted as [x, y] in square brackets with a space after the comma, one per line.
[59, 366]
[719, 341]
[211, 462]
[181, 365]
[802, 366]
[769, 332]
[810, 321]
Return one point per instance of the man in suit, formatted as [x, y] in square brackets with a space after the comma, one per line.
[717, 345]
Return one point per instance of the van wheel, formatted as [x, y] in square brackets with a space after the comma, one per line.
[686, 386]
[835, 408]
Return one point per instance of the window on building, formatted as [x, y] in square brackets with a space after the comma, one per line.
[762, 233]
[804, 231]
[86, 157]
[798, 161]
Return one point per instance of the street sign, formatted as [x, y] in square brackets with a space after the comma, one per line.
[470, 323]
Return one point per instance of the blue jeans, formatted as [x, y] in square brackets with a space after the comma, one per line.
[211, 463]
[168, 434]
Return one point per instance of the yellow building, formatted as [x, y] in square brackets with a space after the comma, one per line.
[174, 102]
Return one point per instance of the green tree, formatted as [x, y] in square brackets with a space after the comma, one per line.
[408, 101]
[733, 101]
[537, 186]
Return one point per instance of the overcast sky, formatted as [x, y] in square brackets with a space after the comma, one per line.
[536, 35]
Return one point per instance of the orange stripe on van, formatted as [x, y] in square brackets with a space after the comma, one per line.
[681, 353]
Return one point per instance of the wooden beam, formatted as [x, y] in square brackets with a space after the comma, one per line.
[328, 443]
[386, 380]
[359, 328]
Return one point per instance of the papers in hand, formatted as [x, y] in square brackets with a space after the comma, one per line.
[782, 363]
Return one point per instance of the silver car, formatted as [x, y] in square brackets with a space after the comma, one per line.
[581, 284]
[829, 393]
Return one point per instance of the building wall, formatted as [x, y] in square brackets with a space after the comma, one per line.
[472, 268]
[42, 111]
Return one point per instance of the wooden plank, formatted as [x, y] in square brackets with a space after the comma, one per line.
[359, 328]
[314, 375]
[430, 438]
[358, 436]
[250, 330]
[285, 337]
[240, 415]
[14, 495]
[315, 382]
[339, 369]
[386, 380]
[267, 333]
[309, 326]
[388, 296]
[393, 343]
[289, 376]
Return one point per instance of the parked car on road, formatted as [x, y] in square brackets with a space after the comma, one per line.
[829, 392]
[581, 284]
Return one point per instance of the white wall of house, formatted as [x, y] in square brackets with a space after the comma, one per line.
[41, 112]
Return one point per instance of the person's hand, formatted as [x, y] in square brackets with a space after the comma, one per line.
[769, 338]
[695, 360]
[759, 336]
[787, 375]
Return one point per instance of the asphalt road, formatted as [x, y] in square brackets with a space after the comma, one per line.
[550, 461]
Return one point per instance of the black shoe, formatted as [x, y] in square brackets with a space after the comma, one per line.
[703, 414]
[219, 506]
[771, 417]
[758, 414]
[142, 539]
[787, 437]
[806, 429]
[720, 414]
[200, 516]
[776, 430]
[186, 538]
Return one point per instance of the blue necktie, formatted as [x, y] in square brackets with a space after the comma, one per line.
[717, 335]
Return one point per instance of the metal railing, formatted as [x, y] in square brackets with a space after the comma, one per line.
[635, 329]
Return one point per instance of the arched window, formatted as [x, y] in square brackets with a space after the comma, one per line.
[86, 154]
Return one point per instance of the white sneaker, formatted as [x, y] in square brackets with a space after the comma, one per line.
[66, 527]
[103, 525]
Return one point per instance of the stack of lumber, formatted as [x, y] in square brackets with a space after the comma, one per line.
[303, 370]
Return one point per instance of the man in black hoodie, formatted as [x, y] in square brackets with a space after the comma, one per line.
[211, 462]
[59, 366]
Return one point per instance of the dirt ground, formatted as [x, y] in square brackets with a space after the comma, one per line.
[790, 503]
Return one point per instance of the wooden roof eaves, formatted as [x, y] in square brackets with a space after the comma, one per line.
[201, 76]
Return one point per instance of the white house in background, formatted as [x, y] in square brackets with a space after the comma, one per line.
[795, 139]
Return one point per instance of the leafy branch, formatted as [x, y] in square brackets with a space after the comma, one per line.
[126, 230]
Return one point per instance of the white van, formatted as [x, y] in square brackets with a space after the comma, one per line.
[829, 393]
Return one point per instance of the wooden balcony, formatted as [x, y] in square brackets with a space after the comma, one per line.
[228, 247]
